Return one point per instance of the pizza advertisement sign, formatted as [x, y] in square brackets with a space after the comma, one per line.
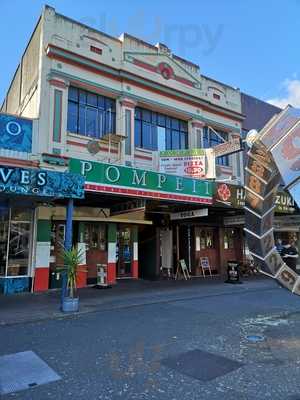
[194, 163]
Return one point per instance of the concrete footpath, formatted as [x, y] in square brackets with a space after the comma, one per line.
[28, 307]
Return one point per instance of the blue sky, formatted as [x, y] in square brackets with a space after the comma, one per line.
[253, 45]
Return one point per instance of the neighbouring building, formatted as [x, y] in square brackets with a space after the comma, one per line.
[103, 108]
[286, 223]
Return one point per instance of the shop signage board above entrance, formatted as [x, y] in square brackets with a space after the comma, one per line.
[193, 163]
[136, 182]
[39, 182]
[203, 212]
[234, 196]
[15, 133]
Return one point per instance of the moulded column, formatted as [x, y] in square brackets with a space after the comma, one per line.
[126, 127]
[135, 261]
[58, 116]
[42, 255]
[195, 133]
[81, 246]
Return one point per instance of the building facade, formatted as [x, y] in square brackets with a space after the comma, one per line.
[105, 108]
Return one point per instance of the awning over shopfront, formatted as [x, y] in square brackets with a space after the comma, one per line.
[128, 181]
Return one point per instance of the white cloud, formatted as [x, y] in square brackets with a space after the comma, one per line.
[291, 94]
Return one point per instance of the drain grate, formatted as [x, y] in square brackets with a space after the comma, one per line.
[24, 370]
[201, 365]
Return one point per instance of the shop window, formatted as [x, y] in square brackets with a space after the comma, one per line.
[206, 239]
[211, 139]
[95, 236]
[15, 237]
[148, 125]
[229, 236]
[90, 114]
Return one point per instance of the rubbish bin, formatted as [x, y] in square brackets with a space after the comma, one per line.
[233, 272]
[55, 280]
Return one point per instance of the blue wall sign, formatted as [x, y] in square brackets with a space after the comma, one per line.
[39, 182]
[15, 133]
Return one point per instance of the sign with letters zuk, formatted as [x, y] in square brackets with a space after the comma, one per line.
[15, 133]
[42, 183]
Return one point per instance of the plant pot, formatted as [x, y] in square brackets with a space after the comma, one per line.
[70, 304]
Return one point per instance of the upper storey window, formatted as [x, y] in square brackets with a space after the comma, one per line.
[156, 131]
[90, 114]
[210, 139]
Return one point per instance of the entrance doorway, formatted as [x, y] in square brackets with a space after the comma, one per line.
[182, 248]
[95, 238]
[124, 251]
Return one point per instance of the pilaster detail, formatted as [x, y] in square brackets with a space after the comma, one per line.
[111, 254]
[57, 114]
[42, 255]
[125, 126]
[195, 128]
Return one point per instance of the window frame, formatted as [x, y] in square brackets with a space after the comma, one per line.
[144, 117]
[84, 101]
[210, 139]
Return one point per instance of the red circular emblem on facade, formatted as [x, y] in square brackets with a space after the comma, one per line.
[224, 192]
[165, 70]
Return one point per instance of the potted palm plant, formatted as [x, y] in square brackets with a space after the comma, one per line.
[72, 261]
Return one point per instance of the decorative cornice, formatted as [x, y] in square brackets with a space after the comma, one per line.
[130, 57]
[198, 124]
[58, 83]
[126, 102]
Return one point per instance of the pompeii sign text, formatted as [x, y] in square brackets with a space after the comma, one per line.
[136, 182]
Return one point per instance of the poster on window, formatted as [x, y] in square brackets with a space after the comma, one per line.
[194, 163]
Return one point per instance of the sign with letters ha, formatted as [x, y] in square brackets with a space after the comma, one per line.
[15, 133]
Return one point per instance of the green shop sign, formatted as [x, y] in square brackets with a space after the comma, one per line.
[136, 182]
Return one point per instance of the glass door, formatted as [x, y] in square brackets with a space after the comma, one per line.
[15, 241]
[124, 252]
[19, 242]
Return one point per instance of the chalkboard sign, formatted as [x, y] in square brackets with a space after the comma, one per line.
[233, 273]
[184, 270]
[204, 264]
[183, 265]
